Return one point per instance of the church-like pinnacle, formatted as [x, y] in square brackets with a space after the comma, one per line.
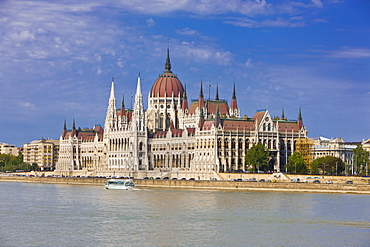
[217, 98]
[167, 66]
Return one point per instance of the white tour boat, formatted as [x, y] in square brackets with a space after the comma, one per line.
[120, 184]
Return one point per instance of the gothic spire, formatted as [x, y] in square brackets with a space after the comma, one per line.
[184, 105]
[167, 66]
[65, 125]
[201, 98]
[299, 114]
[234, 105]
[74, 125]
[282, 114]
[201, 90]
[217, 98]
[300, 122]
[234, 93]
[201, 119]
[112, 89]
[138, 88]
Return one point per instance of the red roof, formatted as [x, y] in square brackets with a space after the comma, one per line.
[258, 116]
[211, 106]
[240, 125]
[85, 135]
[167, 85]
[208, 125]
[288, 126]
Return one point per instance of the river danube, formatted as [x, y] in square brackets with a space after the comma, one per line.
[71, 215]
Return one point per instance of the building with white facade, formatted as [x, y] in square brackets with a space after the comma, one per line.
[44, 153]
[6, 148]
[176, 137]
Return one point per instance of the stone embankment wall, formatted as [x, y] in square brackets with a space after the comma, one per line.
[361, 186]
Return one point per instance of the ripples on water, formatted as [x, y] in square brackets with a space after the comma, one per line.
[72, 215]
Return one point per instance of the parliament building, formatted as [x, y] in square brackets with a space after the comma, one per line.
[175, 137]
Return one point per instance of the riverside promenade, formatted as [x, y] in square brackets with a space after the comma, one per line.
[360, 185]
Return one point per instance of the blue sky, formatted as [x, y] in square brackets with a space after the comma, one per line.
[57, 59]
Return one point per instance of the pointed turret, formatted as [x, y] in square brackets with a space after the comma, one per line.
[234, 105]
[122, 111]
[167, 66]
[234, 111]
[300, 121]
[138, 87]
[217, 98]
[112, 89]
[138, 114]
[201, 97]
[201, 119]
[111, 116]
[64, 129]
[185, 105]
[74, 132]
[282, 114]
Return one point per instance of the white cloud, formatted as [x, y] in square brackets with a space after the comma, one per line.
[216, 7]
[207, 54]
[278, 22]
[27, 105]
[351, 53]
[248, 63]
[150, 22]
[21, 36]
[187, 31]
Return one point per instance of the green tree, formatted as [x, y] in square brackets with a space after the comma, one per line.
[327, 165]
[360, 159]
[257, 157]
[296, 164]
[10, 162]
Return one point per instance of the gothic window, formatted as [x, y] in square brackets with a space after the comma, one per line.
[160, 121]
[233, 143]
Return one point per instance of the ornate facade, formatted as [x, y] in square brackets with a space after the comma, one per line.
[173, 136]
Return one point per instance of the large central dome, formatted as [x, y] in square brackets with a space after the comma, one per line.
[167, 84]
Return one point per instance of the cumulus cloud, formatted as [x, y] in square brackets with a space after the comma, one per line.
[206, 53]
[248, 63]
[187, 31]
[28, 105]
[150, 22]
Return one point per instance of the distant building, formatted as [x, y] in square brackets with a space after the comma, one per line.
[366, 145]
[174, 136]
[337, 148]
[81, 149]
[8, 149]
[43, 152]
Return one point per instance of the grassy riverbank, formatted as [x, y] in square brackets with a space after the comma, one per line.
[356, 188]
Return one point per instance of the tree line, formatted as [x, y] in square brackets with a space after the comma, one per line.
[257, 159]
[11, 163]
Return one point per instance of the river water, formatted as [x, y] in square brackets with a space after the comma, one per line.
[34, 214]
